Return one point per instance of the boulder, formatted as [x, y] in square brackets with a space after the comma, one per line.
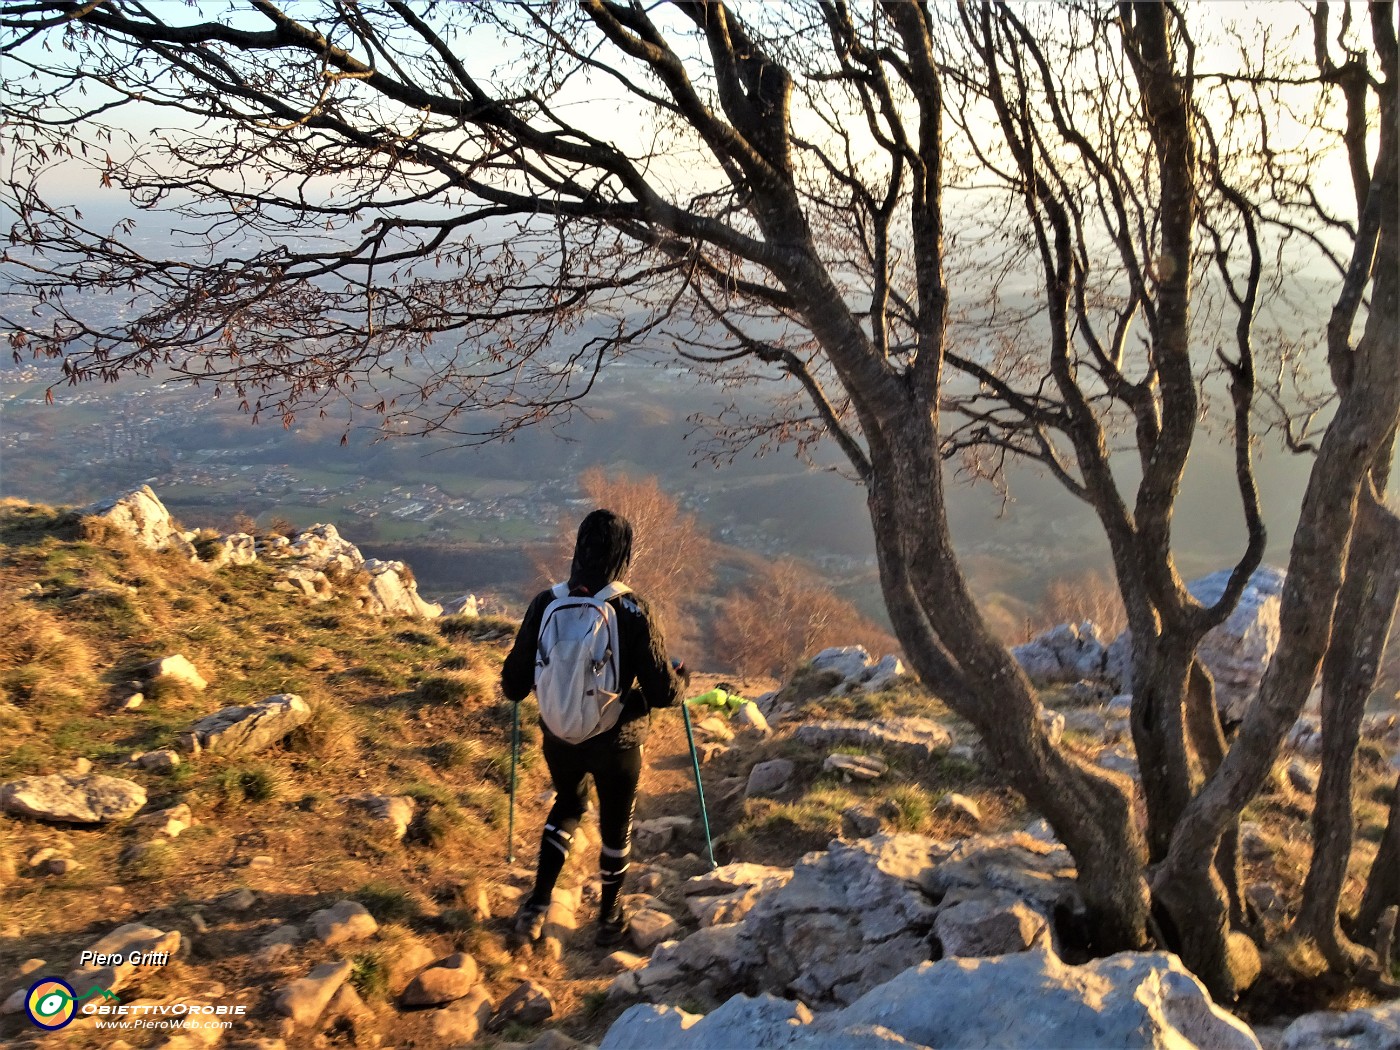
[855, 767]
[1064, 654]
[177, 667]
[237, 548]
[87, 798]
[162, 761]
[729, 892]
[243, 730]
[443, 982]
[306, 998]
[848, 661]
[768, 778]
[322, 547]
[915, 738]
[649, 927]
[750, 719]
[1054, 725]
[1306, 736]
[1302, 776]
[884, 674]
[128, 943]
[1371, 1028]
[343, 921]
[391, 591]
[466, 606]
[140, 515]
[1238, 651]
[530, 1003]
[1126, 1001]
[462, 1021]
[395, 810]
[650, 837]
[990, 924]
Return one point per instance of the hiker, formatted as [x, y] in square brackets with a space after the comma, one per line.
[611, 751]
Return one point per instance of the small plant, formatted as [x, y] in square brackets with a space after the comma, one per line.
[148, 860]
[258, 783]
[459, 662]
[415, 638]
[387, 902]
[908, 807]
[325, 734]
[594, 1001]
[369, 974]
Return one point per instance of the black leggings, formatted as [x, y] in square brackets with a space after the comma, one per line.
[616, 772]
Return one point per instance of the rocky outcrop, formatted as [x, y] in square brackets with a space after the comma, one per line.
[141, 515]
[1125, 1001]
[915, 738]
[242, 730]
[1372, 1028]
[70, 798]
[391, 591]
[856, 670]
[1238, 651]
[729, 892]
[1066, 653]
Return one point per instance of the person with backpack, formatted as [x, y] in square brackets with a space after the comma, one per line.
[596, 660]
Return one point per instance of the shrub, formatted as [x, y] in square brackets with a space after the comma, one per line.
[369, 974]
[387, 902]
[255, 783]
[908, 807]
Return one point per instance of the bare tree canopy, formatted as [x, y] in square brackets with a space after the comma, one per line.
[970, 231]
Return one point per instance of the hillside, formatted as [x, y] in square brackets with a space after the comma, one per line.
[342, 875]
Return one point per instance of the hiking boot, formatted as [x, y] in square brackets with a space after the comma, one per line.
[611, 928]
[529, 922]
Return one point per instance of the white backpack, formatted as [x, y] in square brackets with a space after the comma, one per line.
[576, 664]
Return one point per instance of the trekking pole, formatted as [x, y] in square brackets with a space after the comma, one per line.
[699, 790]
[514, 758]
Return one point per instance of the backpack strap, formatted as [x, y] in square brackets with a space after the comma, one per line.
[560, 590]
[613, 590]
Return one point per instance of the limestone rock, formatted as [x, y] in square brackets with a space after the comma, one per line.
[884, 674]
[140, 515]
[768, 778]
[1238, 651]
[1064, 654]
[1372, 1028]
[1054, 724]
[306, 998]
[322, 547]
[859, 822]
[177, 667]
[168, 822]
[88, 798]
[346, 1006]
[122, 942]
[395, 810]
[530, 1003]
[650, 837]
[916, 738]
[1125, 1001]
[848, 661]
[649, 927]
[856, 767]
[1119, 759]
[1306, 736]
[729, 892]
[462, 1021]
[990, 924]
[242, 730]
[343, 921]
[443, 982]
[625, 962]
[1302, 777]
[466, 606]
[392, 592]
[162, 761]
[236, 548]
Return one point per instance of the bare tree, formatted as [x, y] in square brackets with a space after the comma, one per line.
[380, 210]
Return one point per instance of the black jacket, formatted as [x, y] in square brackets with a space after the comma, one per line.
[645, 676]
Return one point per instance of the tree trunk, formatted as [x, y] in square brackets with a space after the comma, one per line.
[1383, 886]
[1208, 739]
[1159, 736]
[1365, 611]
[956, 654]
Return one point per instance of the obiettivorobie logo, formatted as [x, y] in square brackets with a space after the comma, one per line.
[52, 1004]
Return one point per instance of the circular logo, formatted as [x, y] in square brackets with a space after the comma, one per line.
[50, 1003]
